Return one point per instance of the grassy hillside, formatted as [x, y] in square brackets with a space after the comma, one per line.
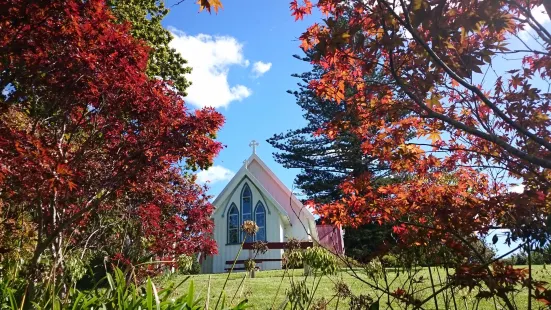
[261, 291]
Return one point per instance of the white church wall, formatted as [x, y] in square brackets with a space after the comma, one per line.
[274, 230]
[227, 252]
[298, 230]
[206, 265]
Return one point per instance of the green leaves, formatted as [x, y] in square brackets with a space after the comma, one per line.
[146, 17]
[119, 294]
[320, 259]
[242, 305]
[149, 294]
[374, 306]
[190, 294]
[126, 295]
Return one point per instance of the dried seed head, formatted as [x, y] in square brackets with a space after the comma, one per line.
[249, 227]
[360, 302]
[320, 304]
[260, 247]
[292, 244]
[342, 290]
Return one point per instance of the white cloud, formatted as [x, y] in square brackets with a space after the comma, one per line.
[540, 15]
[214, 174]
[259, 68]
[517, 188]
[211, 57]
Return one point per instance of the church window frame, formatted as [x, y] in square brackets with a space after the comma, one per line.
[260, 219]
[247, 208]
[233, 228]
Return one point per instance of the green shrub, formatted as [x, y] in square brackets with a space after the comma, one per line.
[123, 295]
[193, 266]
[10, 293]
[319, 259]
[185, 264]
[96, 271]
[347, 261]
[293, 259]
[390, 260]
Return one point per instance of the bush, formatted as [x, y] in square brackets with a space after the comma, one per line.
[293, 259]
[195, 267]
[347, 261]
[390, 260]
[188, 265]
[319, 259]
[509, 260]
[538, 257]
[95, 272]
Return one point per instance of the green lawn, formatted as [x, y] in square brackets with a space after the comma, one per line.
[261, 291]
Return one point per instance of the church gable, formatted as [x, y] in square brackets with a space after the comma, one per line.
[233, 191]
[276, 188]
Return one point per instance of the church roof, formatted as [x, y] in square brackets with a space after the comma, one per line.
[282, 186]
[244, 173]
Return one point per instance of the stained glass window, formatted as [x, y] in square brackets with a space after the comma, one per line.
[260, 218]
[233, 224]
[246, 207]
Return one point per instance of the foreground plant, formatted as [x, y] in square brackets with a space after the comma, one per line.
[249, 229]
[318, 263]
[119, 294]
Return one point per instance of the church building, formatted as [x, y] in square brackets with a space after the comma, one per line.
[255, 193]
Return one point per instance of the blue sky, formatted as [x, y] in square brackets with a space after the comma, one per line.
[242, 60]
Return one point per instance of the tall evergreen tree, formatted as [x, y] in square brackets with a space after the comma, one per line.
[145, 17]
[325, 162]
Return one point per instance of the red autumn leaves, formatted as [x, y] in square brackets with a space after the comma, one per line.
[451, 120]
[85, 134]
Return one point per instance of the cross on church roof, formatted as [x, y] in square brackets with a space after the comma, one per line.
[253, 144]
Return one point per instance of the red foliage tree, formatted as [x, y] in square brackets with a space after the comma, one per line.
[85, 132]
[475, 93]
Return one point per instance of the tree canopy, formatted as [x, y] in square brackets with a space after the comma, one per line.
[476, 125]
[145, 16]
[87, 138]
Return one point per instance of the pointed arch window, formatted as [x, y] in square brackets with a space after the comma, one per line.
[260, 218]
[233, 224]
[246, 207]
